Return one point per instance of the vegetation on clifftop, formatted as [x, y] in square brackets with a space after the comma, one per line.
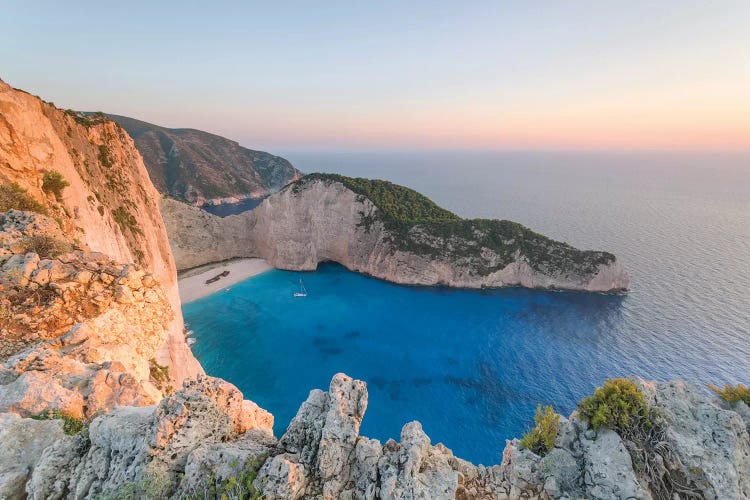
[398, 203]
[417, 224]
[732, 394]
[541, 439]
[620, 406]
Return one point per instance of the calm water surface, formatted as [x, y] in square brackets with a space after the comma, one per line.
[471, 366]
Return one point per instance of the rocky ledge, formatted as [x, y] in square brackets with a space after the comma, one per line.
[79, 332]
[389, 232]
[205, 441]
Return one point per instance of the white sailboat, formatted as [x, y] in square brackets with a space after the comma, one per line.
[302, 291]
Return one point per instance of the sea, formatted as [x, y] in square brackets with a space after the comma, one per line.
[472, 366]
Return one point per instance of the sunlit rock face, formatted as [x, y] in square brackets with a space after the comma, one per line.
[110, 205]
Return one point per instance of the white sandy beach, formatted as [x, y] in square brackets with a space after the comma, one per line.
[192, 283]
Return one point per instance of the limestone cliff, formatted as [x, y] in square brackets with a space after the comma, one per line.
[110, 205]
[204, 441]
[202, 168]
[402, 237]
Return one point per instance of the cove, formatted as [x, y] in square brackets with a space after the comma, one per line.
[470, 365]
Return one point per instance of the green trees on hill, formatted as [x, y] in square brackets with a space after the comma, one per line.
[417, 224]
[398, 203]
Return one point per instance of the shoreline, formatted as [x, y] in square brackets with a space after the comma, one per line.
[192, 283]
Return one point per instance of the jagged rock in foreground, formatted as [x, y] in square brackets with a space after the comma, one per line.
[202, 168]
[205, 436]
[401, 237]
[146, 452]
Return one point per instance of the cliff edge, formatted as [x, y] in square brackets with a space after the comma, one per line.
[204, 441]
[106, 204]
[389, 232]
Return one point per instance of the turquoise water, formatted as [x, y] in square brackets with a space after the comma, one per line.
[470, 365]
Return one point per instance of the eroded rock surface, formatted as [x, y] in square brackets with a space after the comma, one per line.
[79, 333]
[110, 206]
[156, 451]
[206, 436]
[318, 220]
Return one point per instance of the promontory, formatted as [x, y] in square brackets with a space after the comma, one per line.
[389, 232]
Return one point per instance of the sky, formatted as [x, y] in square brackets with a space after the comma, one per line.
[355, 75]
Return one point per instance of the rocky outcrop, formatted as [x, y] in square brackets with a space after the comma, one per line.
[23, 442]
[321, 454]
[198, 237]
[204, 439]
[709, 444]
[110, 205]
[80, 332]
[320, 219]
[202, 168]
[153, 452]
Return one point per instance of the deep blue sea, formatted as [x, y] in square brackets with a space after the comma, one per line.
[226, 209]
[472, 365]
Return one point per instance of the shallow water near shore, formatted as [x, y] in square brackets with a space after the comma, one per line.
[472, 365]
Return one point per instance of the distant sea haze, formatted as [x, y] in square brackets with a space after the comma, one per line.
[471, 366]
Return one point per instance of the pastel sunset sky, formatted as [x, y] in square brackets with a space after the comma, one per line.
[568, 74]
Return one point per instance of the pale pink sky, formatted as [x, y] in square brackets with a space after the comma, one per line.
[580, 74]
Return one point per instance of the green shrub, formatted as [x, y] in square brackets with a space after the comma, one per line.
[160, 376]
[618, 405]
[45, 246]
[733, 394]
[71, 425]
[237, 486]
[14, 197]
[53, 182]
[541, 439]
[104, 156]
[126, 220]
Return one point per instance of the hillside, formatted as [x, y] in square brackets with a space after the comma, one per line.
[199, 167]
[417, 224]
[390, 232]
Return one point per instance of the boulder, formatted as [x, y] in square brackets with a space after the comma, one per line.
[710, 444]
[23, 443]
